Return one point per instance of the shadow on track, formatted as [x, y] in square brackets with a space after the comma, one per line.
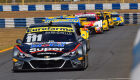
[47, 70]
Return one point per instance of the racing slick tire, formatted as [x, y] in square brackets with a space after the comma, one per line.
[85, 60]
[91, 31]
[88, 45]
[102, 31]
[15, 69]
[111, 26]
[121, 24]
[85, 48]
[84, 63]
[108, 29]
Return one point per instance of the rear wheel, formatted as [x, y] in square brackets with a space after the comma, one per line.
[108, 27]
[102, 31]
[88, 45]
[121, 24]
[111, 26]
[117, 23]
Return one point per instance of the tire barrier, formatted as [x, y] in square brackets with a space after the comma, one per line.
[104, 6]
[19, 22]
[130, 18]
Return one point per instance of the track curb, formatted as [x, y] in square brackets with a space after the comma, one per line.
[6, 49]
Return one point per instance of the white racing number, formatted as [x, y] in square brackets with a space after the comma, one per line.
[34, 37]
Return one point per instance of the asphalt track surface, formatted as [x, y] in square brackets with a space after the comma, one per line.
[110, 58]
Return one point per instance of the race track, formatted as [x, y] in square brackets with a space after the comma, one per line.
[110, 58]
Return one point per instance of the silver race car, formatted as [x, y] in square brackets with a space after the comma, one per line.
[54, 46]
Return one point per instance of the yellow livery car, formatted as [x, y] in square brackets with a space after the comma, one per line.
[108, 17]
[84, 32]
[104, 21]
[90, 20]
[118, 20]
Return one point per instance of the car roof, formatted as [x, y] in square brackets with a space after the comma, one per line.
[57, 24]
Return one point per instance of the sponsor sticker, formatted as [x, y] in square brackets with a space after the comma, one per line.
[85, 15]
[62, 20]
[48, 45]
[41, 29]
[45, 49]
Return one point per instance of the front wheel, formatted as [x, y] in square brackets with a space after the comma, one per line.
[85, 63]
[15, 68]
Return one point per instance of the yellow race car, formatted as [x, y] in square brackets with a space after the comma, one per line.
[105, 23]
[83, 31]
[90, 20]
[108, 17]
[118, 20]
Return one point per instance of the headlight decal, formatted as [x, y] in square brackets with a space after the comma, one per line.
[70, 54]
[75, 47]
[20, 49]
[22, 54]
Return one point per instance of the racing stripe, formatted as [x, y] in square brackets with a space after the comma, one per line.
[75, 48]
[20, 49]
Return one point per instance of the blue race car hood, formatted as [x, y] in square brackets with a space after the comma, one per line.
[116, 18]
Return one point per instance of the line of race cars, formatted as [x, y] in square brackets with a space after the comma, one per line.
[61, 42]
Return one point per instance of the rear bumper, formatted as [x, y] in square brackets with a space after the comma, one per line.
[105, 28]
[118, 23]
[98, 29]
[47, 63]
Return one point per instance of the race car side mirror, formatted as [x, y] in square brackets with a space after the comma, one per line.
[19, 41]
[80, 39]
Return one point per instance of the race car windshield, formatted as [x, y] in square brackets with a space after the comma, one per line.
[91, 19]
[116, 15]
[49, 36]
[57, 25]
[101, 18]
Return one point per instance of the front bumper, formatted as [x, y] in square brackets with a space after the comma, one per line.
[47, 63]
[117, 23]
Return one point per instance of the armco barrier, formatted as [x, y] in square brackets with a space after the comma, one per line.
[129, 18]
[19, 22]
[104, 6]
